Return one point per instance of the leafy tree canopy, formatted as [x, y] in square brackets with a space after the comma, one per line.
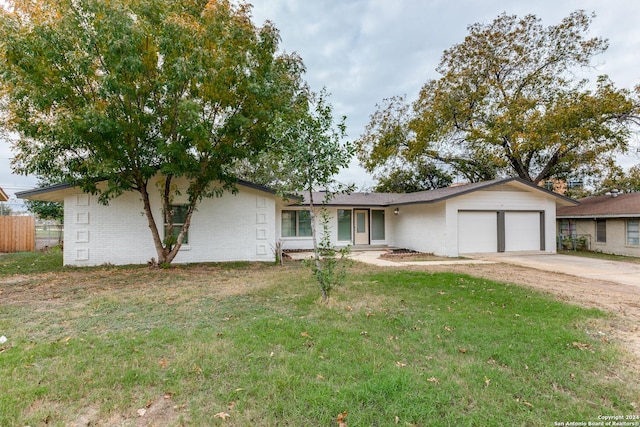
[120, 92]
[424, 176]
[508, 102]
[46, 210]
[622, 181]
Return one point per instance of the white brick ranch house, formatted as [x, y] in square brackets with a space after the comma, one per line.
[502, 215]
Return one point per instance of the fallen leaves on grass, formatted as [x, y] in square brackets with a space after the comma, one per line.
[487, 381]
[580, 345]
[222, 415]
[433, 380]
[401, 365]
[341, 418]
[525, 403]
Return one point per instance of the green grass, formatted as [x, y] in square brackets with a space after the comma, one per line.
[601, 255]
[253, 341]
[31, 262]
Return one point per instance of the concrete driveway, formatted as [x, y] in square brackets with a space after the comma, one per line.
[613, 271]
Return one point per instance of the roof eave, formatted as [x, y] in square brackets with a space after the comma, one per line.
[562, 200]
[598, 216]
[52, 193]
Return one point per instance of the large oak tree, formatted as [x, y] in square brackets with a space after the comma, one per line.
[119, 92]
[508, 102]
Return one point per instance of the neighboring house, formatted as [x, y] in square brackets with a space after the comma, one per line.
[610, 223]
[3, 195]
[494, 216]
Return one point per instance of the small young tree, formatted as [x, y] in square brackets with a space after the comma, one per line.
[312, 149]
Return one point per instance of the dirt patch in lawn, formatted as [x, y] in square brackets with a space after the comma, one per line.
[622, 300]
[405, 255]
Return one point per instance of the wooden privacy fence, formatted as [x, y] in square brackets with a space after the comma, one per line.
[17, 233]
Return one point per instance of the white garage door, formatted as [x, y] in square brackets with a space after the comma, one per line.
[477, 232]
[522, 231]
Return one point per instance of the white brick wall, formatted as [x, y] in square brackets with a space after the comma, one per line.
[229, 228]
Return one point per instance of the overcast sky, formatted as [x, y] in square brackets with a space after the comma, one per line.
[363, 51]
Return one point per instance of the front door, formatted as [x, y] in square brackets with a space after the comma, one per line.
[361, 225]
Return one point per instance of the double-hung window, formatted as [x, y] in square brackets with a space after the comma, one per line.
[179, 216]
[568, 227]
[633, 232]
[296, 223]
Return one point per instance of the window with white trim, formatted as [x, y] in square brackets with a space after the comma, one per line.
[296, 224]
[377, 225]
[568, 227]
[179, 216]
[633, 232]
[344, 225]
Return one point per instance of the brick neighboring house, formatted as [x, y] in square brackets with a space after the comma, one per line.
[610, 223]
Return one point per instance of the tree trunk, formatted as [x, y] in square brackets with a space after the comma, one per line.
[316, 252]
[157, 241]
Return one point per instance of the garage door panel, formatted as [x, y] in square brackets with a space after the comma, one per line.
[522, 231]
[477, 232]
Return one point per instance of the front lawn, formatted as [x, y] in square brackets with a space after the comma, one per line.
[250, 344]
[602, 255]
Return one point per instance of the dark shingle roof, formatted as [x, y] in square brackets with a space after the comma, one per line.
[430, 196]
[56, 193]
[623, 205]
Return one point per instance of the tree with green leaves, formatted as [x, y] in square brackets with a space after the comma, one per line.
[508, 103]
[5, 209]
[313, 151]
[114, 96]
[46, 210]
[628, 181]
[424, 176]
